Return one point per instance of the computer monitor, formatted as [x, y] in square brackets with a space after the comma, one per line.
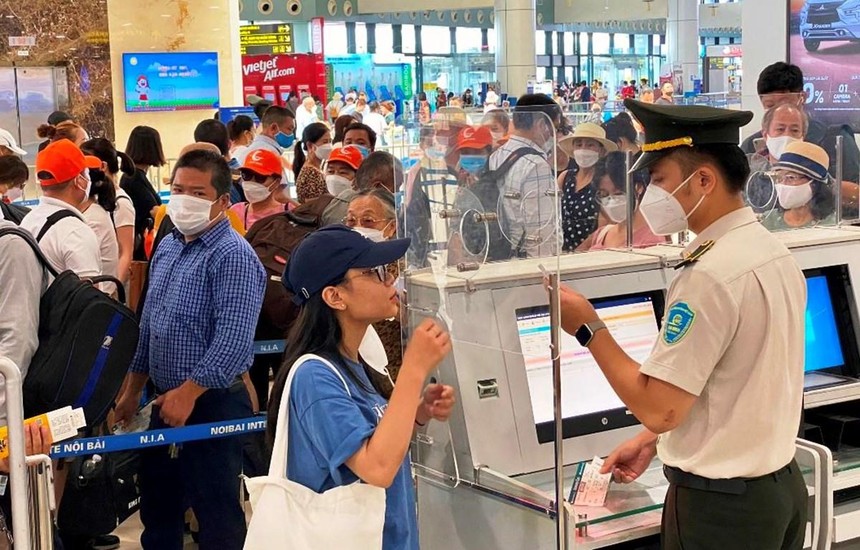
[830, 344]
[589, 404]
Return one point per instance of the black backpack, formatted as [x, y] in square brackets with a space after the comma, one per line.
[487, 190]
[87, 341]
[14, 212]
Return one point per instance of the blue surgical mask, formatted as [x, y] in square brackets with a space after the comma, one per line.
[473, 164]
[365, 152]
[285, 140]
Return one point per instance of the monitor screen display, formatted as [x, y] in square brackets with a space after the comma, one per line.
[170, 81]
[589, 404]
[823, 344]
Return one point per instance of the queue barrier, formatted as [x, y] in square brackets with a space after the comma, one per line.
[157, 438]
[269, 347]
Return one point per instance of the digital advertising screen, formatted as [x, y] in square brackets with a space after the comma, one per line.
[381, 82]
[170, 81]
[587, 397]
[824, 41]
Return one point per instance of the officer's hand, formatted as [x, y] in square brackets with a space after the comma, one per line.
[630, 459]
[576, 310]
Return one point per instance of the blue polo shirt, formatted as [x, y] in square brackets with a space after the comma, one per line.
[327, 426]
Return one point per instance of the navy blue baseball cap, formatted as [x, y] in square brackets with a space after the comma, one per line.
[324, 257]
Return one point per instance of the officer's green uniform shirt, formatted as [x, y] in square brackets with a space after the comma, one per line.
[733, 335]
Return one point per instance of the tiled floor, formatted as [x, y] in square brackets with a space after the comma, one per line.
[129, 533]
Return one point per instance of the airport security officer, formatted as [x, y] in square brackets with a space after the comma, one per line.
[720, 395]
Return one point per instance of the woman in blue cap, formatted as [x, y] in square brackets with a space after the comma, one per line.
[340, 429]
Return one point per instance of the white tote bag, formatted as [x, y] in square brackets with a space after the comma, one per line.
[289, 516]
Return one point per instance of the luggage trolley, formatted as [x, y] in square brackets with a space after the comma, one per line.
[30, 479]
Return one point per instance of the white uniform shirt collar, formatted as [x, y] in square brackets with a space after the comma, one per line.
[732, 220]
[50, 201]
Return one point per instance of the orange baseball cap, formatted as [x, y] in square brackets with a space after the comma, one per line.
[349, 155]
[264, 162]
[62, 161]
[474, 137]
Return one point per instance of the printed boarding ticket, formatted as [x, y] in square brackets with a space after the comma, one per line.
[594, 486]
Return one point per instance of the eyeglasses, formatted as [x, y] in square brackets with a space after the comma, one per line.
[380, 271]
[364, 221]
[792, 179]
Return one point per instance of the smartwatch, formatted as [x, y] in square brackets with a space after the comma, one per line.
[586, 332]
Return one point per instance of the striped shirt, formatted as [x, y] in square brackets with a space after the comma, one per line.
[201, 310]
[529, 197]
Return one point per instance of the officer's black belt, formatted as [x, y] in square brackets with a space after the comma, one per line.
[732, 486]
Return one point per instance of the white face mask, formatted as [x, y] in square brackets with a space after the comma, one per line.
[336, 184]
[586, 158]
[776, 145]
[662, 211]
[255, 192]
[793, 196]
[189, 214]
[615, 207]
[88, 188]
[497, 136]
[372, 351]
[375, 235]
[14, 193]
[323, 152]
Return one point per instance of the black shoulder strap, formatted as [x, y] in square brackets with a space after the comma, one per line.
[52, 221]
[516, 155]
[18, 232]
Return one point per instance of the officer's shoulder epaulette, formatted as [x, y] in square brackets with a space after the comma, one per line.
[695, 255]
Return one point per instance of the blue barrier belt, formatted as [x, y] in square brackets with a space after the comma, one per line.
[269, 347]
[157, 438]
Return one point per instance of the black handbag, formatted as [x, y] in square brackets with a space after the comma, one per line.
[101, 492]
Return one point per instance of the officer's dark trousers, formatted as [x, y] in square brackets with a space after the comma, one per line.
[203, 475]
[769, 515]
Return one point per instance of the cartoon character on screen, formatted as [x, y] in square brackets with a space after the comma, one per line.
[142, 89]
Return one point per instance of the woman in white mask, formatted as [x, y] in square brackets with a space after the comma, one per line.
[310, 153]
[610, 180]
[781, 125]
[803, 188]
[262, 178]
[371, 213]
[579, 207]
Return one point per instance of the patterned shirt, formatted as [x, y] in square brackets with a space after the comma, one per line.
[528, 199]
[310, 184]
[579, 210]
[201, 310]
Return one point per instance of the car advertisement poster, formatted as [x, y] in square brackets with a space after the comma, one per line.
[824, 41]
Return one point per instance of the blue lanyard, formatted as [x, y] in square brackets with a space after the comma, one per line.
[157, 438]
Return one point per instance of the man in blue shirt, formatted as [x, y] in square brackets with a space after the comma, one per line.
[196, 340]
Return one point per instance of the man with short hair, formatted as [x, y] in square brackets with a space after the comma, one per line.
[196, 341]
[528, 214]
[361, 136]
[667, 94]
[56, 222]
[374, 119]
[783, 83]
[732, 339]
[215, 132]
[780, 126]
[380, 169]
[306, 114]
[277, 129]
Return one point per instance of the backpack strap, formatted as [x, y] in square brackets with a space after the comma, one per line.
[33, 244]
[516, 155]
[53, 219]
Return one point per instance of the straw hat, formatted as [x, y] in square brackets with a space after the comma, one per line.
[587, 130]
[804, 158]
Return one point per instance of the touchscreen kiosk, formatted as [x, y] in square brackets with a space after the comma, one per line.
[589, 404]
[831, 349]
